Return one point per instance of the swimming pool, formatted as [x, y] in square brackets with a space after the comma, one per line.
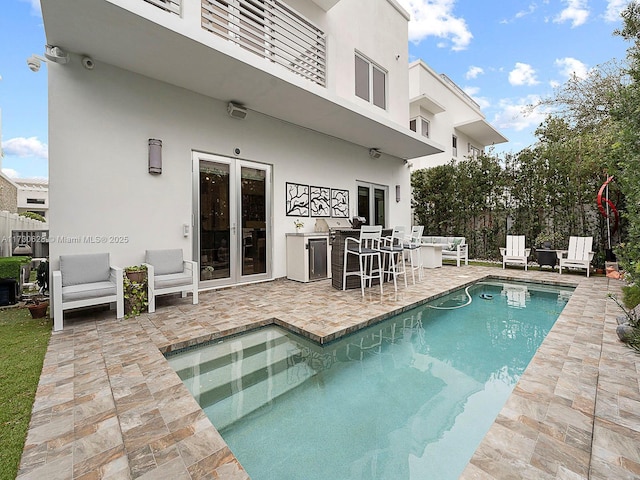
[408, 398]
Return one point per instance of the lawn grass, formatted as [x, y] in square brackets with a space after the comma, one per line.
[23, 343]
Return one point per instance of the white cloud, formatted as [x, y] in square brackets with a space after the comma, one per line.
[473, 72]
[614, 8]
[523, 13]
[576, 12]
[11, 173]
[473, 93]
[436, 18]
[515, 115]
[26, 147]
[523, 74]
[570, 66]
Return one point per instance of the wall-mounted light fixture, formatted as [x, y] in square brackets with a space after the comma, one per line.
[374, 153]
[155, 156]
[397, 193]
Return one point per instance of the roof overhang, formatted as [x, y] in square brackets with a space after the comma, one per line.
[146, 40]
[428, 103]
[481, 131]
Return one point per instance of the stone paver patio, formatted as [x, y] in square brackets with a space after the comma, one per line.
[109, 406]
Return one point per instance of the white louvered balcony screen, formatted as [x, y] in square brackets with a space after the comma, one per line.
[271, 30]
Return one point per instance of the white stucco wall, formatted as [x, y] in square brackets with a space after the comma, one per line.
[422, 79]
[379, 31]
[99, 185]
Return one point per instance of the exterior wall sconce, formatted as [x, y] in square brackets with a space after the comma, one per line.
[397, 193]
[155, 156]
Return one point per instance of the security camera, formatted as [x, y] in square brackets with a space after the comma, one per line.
[88, 63]
[236, 151]
[34, 63]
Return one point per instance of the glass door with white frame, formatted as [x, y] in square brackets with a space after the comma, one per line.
[372, 203]
[232, 207]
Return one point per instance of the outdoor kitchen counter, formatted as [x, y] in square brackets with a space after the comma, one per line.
[337, 258]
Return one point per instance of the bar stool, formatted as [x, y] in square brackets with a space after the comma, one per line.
[412, 246]
[367, 249]
[392, 249]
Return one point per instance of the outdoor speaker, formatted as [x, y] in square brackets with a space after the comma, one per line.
[236, 111]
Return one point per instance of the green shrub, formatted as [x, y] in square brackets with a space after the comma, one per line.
[10, 266]
[631, 295]
[33, 216]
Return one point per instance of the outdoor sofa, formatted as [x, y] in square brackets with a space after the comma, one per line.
[453, 248]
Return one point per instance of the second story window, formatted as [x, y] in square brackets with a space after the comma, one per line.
[420, 124]
[371, 82]
[454, 145]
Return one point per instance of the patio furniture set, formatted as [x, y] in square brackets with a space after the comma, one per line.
[90, 279]
[578, 255]
[385, 258]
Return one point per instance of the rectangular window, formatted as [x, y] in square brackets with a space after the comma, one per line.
[425, 127]
[362, 78]
[454, 145]
[37, 201]
[420, 124]
[379, 88]
[371, 82]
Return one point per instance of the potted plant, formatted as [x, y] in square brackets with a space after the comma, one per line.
[136, 273]
[548, 239]
[37, 306]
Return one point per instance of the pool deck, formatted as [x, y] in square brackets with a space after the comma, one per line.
[109, 406]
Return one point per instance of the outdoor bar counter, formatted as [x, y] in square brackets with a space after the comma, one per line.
[337, 258]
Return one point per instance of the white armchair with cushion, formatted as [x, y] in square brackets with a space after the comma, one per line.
[86, 280]
[168, 273]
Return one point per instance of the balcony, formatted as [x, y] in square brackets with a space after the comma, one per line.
[271, 30]
[266, 57]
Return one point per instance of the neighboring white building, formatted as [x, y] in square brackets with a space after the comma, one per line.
[322, 82]
[441, 111]
[33, 195]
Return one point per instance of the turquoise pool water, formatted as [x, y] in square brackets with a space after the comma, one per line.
[409, 398]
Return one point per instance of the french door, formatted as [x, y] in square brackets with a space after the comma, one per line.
[372, 203]
[232, 212]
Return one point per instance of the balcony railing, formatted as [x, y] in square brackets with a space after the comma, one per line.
[172, 6]
[271, 30]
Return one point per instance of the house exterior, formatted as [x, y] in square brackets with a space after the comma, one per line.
[8, 194]
[33, 195]
[248, 108]
[441, 111]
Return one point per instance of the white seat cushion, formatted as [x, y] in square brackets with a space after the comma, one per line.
[88, 290]
[172, 280]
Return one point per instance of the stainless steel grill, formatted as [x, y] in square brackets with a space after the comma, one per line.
[331, 225]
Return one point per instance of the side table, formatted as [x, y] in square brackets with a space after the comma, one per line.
[546, 257]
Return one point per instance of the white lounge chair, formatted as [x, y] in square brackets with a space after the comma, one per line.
[579, 254]
[167, 272]
[515, 251]
[83, 281]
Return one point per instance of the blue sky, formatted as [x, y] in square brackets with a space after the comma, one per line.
[504, 53]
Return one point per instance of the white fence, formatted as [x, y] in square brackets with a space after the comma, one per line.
[10, 222]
